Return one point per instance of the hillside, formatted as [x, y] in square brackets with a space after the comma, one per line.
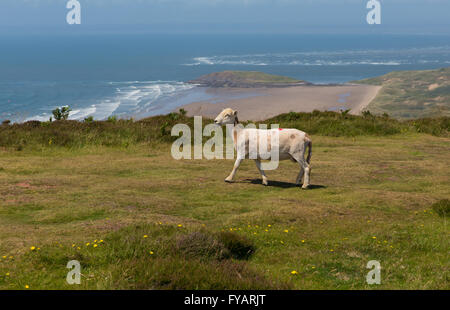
[412, 94]
[110, 195]
[246, 79]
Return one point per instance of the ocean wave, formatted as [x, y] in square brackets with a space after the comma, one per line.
[126, 98]
[382, 57]
[216, 60]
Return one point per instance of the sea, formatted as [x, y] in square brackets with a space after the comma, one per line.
[140, 75]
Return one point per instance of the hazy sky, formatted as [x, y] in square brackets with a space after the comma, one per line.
[302, 16]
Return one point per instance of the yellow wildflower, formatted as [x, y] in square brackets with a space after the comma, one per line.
[145, 236]
[32, 248]
[151, 252]
[294, 272]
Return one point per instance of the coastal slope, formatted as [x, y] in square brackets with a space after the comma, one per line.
[412, 94]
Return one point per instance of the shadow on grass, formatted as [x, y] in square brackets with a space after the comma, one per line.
[281, 184]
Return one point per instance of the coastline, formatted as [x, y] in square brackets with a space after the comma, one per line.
[370, 96]
[258, 104]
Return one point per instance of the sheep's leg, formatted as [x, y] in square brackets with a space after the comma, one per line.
[304, 170]
[300, 176]
[237, 163]
[306, 177]
[264, 177]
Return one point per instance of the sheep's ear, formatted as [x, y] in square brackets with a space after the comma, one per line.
[235, 113]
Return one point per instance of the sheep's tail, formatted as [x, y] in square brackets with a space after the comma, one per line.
[308, 143]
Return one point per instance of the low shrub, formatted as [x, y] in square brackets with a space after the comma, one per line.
[442, 207]
[118, 133]
[201, 245]
[239, 246]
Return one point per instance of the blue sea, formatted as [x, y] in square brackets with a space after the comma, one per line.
[145, 74]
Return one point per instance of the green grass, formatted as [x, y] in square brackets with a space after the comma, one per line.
[116, 182]
[412, 94]
[261, 77]
[46, 136]
[245, 79]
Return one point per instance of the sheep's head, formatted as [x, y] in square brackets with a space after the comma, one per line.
[227, 116]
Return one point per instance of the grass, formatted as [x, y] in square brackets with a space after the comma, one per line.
[45, 136]
[412, 94]
[261, 77]
[245, 79]
[108, 195]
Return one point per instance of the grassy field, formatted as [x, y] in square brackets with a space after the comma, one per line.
[412, 94]
[109, 195]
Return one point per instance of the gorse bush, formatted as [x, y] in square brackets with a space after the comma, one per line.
[202, 245]
[112, 119]
[61, 113]
[239, 246]
[442, 207]
[124, 133]
[89, 119]
[344, 124]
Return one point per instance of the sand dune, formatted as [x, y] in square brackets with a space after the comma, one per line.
[262, 103]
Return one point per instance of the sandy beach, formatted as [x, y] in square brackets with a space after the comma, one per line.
[261, 103]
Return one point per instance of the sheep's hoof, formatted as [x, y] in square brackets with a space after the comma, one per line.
[305, 187]
[229, 180]
[265, 182]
